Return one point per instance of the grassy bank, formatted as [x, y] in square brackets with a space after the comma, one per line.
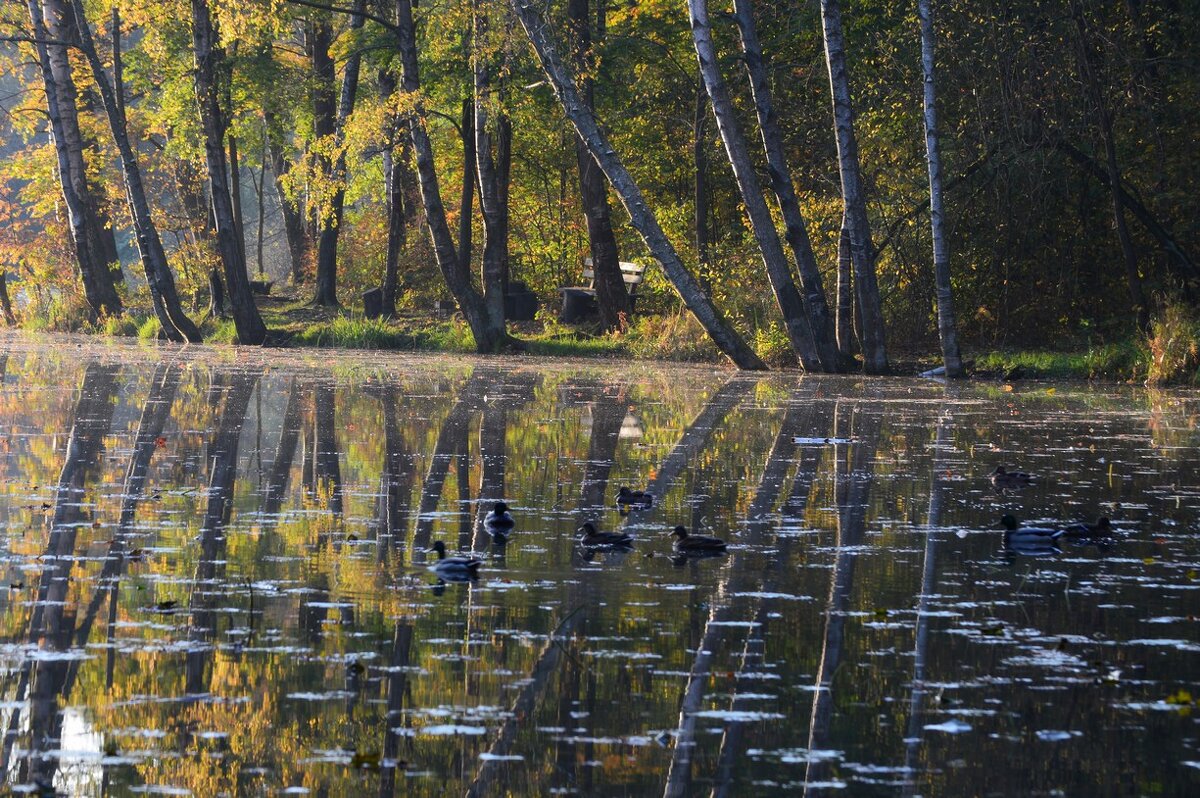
[1168, 354]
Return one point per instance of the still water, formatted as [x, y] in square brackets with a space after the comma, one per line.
[216, 580]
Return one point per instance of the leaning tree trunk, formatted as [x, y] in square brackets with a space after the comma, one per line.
[1105, 124]
[723, 335]
[331, 218]
[87, 231]
[866, 286]
[495, 216]
[947, 327]
[612, 298]
[210, 63]
[176, 326]
[796, 231]
[487, 337]
[791, 306]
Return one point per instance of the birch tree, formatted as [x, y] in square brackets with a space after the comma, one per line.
[947, 327]
[723, 335]
[796, 230]
[51, 33]
[862, 252]
[176, 326]
[787, 297]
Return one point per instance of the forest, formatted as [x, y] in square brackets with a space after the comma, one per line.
[838, 186]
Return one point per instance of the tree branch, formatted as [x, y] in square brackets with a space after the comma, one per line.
[391, 26]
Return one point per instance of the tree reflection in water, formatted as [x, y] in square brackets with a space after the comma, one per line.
[229, 601]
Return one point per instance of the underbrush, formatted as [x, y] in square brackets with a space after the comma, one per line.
[1174, 346]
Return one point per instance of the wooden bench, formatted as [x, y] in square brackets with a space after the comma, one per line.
[579, 302]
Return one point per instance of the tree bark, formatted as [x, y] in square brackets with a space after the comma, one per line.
[5, 303]
[1105, 124]
[487, 337]
[83, 221]
[700, 198]
[612, 297]
[947, 325]
[796, 230]
[495, 214]
[845, 297]
[787, 296]
[293, 218]
[176, 326]
[210, 64]
[318, 37]
[61, 24]
[723, 335]
[466, 198]
[866, 286]
[397, 175]
[331, 222]
[235, 194]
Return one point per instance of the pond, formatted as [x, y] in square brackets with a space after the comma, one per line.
[218, 580]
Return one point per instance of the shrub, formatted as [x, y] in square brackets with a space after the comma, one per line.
[1174, 345]
[674, 336]
[149, 329]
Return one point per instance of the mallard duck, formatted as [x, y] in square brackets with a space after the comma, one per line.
[457, 567]
[1102, 528]
[499, 519]
[589, 537]
[1003, 479]
[1015, 534]
[696, 544]
[634, 498]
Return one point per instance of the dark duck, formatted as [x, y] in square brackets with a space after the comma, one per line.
[687, 543]
[591, 538]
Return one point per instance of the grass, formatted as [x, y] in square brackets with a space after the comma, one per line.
[1124, 360]
[1170, 354]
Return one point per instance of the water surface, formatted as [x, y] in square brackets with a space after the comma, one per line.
[217, 580]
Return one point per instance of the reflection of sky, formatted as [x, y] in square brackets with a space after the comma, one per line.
[79, 768]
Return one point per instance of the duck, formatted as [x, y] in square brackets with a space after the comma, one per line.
[589, 537]
[454, 568]
[1003, 479]
[634, 498]
[1102, 528]
[499, 519]
[1017, 535]
[687, 543]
